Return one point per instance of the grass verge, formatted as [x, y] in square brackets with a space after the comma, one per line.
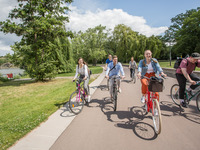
[26, 104]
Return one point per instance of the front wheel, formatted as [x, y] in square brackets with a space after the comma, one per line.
[76, 102]
[156, 116]
[198, 102]
[174, 93]
[115, 98]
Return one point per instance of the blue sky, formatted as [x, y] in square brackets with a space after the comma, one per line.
[156, 12]
[148, 17]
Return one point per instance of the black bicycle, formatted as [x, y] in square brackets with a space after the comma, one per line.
[115, 90]
[174, 92]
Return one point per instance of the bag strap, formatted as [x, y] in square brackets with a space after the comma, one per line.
[112, 68]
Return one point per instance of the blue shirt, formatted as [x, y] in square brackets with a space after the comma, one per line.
[115, 71]
[143, 69]
[108, 61]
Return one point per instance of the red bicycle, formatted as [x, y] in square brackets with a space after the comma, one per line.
[152, 104]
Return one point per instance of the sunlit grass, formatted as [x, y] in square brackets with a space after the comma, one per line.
[25, 104]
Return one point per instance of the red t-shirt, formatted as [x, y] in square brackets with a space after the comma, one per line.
[188, 65]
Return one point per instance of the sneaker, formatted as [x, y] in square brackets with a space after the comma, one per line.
[143, 100]
[183, 104]
[89, 97]
[155, 112]
[119, 90]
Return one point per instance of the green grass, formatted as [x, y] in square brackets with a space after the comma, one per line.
[25, 104]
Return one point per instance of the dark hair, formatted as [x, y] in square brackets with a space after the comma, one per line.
[83, 61]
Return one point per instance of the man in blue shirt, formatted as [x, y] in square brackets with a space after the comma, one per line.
[114, 68]
[109, 60]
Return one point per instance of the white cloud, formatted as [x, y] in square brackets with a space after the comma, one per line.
[80, 20]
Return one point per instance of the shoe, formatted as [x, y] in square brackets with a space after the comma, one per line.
[143, 100]
[89, 97]
[183, 104]
[119, 90]
[155, 112]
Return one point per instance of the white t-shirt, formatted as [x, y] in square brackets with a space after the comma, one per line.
[150, 68]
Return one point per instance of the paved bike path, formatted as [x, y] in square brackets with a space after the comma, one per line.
[44, 136]
[98, 127]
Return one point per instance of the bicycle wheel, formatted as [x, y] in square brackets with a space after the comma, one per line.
[174, 93]
[115, 98]
[156, 116]
[108, 84]
[76, 102]
[198, 102]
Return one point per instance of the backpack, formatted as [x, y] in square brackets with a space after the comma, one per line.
[179, 60]
[89, 71]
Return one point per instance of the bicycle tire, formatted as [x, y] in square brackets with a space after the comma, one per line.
[108, 84]
[174, 93]
[157, 121]
[76, 104]
[115, 98]
[198, 102]
[134, 79]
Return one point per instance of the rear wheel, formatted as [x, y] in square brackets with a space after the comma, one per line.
[156, 115]
[174, 92]
[198, 102]
[76, 102]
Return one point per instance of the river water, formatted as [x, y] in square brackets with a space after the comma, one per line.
[14, 71]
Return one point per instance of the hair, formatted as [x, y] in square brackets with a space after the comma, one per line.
[147, 50]
[83, 61]
[151, 58]
[132, 57]
[115, 56]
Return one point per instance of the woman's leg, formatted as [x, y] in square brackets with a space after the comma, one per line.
[86, 86]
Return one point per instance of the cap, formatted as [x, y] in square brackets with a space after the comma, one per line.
[195, 55]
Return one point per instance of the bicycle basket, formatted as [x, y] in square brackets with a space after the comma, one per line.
[155, 84]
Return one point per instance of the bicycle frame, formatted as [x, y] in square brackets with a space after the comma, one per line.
[149, 100]
[79, 89]
[192, 96]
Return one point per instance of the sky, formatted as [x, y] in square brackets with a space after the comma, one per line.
[148, 17]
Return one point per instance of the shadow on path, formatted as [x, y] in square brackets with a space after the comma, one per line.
[131, 119]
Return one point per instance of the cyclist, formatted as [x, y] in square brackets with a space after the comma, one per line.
[109, 60]
[148, 67]
[114, 68]
[185, 72]
[132, 66]
[82, 70]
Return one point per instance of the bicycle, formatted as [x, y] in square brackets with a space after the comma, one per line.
[152, 105]
[108, 84]
[77, 98]
[133, 77]
[115, 91]
[174, 93]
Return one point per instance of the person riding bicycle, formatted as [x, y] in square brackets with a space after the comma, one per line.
[82, 70]
[114, 68]
[109, 60]
[148, 67]
[132, 66]
[185, 72]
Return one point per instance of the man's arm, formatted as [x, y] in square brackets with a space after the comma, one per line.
[186, 75]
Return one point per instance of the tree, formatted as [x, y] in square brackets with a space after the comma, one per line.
[90, 45]
[39, 23]
[184, 32]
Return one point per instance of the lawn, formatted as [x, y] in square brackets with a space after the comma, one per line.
[25, 104]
